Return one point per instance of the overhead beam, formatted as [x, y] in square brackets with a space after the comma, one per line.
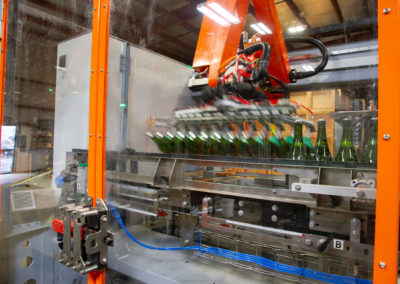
[339, 27]
[296, 11]
[337, 10]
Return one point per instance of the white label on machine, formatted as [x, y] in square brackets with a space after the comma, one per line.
[338, 244]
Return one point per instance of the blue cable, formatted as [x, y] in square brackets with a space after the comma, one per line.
[270, 264]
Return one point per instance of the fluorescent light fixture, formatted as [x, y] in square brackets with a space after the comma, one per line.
[296, 29]
[261, 28]
[257, 29]
[264, 28]
[224, 13]
[308, 68]
[213, 16]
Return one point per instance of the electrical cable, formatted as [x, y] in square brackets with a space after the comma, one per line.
[294, 74]
[267, 263]
[282, 84]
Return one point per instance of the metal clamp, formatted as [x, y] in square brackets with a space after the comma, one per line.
[84, 236]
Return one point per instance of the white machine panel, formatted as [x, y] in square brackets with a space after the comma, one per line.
[157, 86]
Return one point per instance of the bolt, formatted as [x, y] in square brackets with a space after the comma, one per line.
[382, 264]
[274, 218]
[386, 11]
[311, 224]
[360, 193]
[186, 242]
[354, 233]
[104, 260]
[275, 208]
[274, 169]
[95, 9]
[184, 203]
[274, 191]
[101, 70]
[99, 136]
[312, 213]
[297, 187]
[90, 134]
[386, 136]
[308, 242]
[241, 203]
[92, 70]
[240, 213]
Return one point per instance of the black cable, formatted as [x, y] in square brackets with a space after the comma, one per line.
[294, 74]
[282, 84]
[263, 64]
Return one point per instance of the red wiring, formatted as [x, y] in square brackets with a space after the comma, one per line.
[300, 105]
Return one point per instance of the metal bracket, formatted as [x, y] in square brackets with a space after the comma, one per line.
[345, 191]
[85, 249]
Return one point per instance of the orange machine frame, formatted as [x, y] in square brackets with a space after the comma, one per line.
[217, 43]
[388, 181]
[388, 175]
[98, 109]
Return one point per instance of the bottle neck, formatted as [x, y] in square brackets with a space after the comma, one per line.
[347, 131]
[373, 132]
[321, 131]
[298, 132]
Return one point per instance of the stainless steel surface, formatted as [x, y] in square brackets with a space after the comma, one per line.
[368, 193]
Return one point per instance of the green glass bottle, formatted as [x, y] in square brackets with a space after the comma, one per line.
[308, 144]
[189, 142]
[241, 144]
[298, 150]
[179, 144]
[256, 144]
[347, 152]
[157, 138]
[168, 141]
[321, 149]
[226, 145]
[207, 142]
[370, 154]
[284, 146]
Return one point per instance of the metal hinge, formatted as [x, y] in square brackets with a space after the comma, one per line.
[83, 236]
[124, 64]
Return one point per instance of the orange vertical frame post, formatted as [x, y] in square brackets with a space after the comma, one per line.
[98, 109]
[3, 52]
[388, 172]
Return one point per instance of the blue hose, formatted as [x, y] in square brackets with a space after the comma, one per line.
[270, 264]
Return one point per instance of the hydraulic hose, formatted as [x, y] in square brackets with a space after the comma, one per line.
[263, 64]
[294, 75]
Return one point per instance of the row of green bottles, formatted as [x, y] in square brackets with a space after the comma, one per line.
[370, 153]
[214, 142]
[346, 152]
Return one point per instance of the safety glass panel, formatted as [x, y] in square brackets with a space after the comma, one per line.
[44, 138]
[242, 141]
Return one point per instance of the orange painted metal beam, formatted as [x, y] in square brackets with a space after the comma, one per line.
[266, 13]
[98, 109]
[217, 43]
[3, 53]
[388, 178]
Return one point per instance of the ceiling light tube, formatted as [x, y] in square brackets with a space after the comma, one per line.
[206, 11]
[257, 29]
[264, 28]
[224, 13]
